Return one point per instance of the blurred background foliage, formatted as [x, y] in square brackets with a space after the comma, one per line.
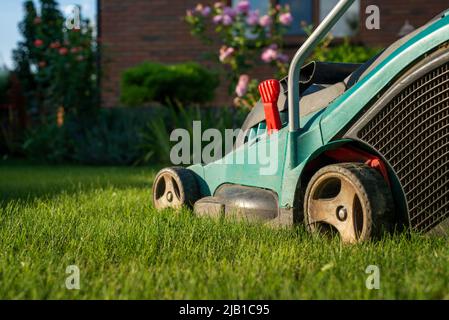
[4, 84]
[122, 136]
[56, 65]
[50, 108]
[186, 83]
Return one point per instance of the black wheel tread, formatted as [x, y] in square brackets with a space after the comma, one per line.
[189, 190]
[375, 192]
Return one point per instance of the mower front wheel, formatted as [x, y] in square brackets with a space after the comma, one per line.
[352, 199]
[175, 187]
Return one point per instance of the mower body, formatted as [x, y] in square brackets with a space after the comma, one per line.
[397, 111]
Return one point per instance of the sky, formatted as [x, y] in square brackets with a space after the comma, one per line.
[11, 13]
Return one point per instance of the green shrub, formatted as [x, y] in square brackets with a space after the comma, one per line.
[182, 83]
[46, 143]
[155, 137]
[122, 136]
[113, 138]
[345, 52]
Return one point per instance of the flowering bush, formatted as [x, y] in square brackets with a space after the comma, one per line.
[56, 65]
[248, 38]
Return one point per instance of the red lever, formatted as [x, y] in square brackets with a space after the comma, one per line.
[347, 154]
[270, 90]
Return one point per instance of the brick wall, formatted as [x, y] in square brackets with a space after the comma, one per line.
[134, 31]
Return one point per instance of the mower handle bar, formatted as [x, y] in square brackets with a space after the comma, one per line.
[304, 51]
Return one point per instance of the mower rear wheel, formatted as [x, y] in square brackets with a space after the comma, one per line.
[352, 199]
[175, 187]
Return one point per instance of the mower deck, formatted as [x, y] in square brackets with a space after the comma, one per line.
[249, 203]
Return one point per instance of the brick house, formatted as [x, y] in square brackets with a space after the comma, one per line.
[134, 31]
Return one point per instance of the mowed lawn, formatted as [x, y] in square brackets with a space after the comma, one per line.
[102, 220]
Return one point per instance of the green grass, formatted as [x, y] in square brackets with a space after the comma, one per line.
[101, 220]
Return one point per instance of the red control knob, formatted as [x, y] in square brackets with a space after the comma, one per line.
[269, 91]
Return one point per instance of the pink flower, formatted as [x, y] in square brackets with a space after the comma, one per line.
[203, 10]
[253, 18]
[63, 51]
[227, 20]
[55, 45]
[226, 53]
[243, 6]
[217, 19]
[206, 11]
[286, 19]
[242, 86]
[218, 5]
[38, 43]
[75, 50]
[269, 54]
[228, 11]
[265, 21]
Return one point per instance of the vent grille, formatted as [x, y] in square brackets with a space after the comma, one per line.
[412, 133]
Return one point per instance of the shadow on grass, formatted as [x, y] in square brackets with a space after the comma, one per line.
[21, 181]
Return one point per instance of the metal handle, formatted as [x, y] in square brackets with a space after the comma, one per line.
[301, 55]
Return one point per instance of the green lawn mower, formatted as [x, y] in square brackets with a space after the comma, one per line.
[357, 149]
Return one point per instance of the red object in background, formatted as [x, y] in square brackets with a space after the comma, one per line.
[269, 91]
[38, 43]
[55, 45]
[346, 154]
[63, 51]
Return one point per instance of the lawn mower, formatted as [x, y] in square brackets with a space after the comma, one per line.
[361, 149]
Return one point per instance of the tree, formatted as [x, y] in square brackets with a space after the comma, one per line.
[56, 65]
[22, 55]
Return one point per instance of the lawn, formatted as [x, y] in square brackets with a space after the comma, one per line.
[101, 220]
